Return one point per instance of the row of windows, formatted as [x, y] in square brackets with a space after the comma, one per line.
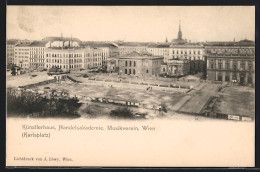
[185, 52]
[65, 66]
[63, 55]
[36, 52]
[21, 52]
[130, 63]
[234, 76]
[234, 66]
[40, 48]
[164, 50]
[130, 71]
[22, 56]
[132, 48]
[36, 56]
[36, 61]
[64, 60]
[21, 49]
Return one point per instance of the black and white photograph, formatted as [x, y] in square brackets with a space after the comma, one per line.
[130, 86]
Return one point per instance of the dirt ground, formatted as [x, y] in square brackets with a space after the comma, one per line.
[237, 100]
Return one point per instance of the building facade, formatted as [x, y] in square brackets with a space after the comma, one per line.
[37, 51]
[10, 45]
[233, 63]
[65, 59]
[159, 50]
[195, 53]
[22, 55]
[108, 50]
[140, 64]
[176, 68]
[127, 48]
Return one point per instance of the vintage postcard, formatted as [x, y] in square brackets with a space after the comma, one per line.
[130, 86]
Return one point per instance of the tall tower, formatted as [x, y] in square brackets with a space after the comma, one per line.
[179, 33]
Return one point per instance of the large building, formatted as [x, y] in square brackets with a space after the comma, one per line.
[37, 51]
[159, 50]
[22, 55]
[231, 62]
[10, 51]
[128, 47]
[176, 68]
[140, 64]
[108, 50]
[64, 58]
[195, 53]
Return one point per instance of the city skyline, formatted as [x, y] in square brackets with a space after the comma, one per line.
[128, 23]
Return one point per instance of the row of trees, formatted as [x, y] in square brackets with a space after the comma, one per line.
[33, 104]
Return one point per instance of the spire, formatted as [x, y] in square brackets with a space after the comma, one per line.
[179, 25]
[166, 40]
[179, 33]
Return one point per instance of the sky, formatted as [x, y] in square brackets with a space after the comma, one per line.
[132, 23]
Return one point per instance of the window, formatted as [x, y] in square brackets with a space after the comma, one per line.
[242, 65]
[234, 65]
[129, 71]
[219, 76]
[227, 64]
[147, 71]
[250, 78]
[134, 63]
[227, 77]
[130, 63]
[249, 65]
[234, 76]
[125, 71]
[219, 64]
[125, 63]
[134, 71]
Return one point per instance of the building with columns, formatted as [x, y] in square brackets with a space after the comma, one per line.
[176, 68]
[140, 64]
[193, 52]
[231, 62]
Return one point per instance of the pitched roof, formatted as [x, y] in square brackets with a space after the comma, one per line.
[11, 42]
[23, 45]
[38, 43]
[244, 42]
[60, 39]
[159, 46]
[142, 55]
[133, 44]
[98, 45]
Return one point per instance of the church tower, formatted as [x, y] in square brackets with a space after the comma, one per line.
[179, 33]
